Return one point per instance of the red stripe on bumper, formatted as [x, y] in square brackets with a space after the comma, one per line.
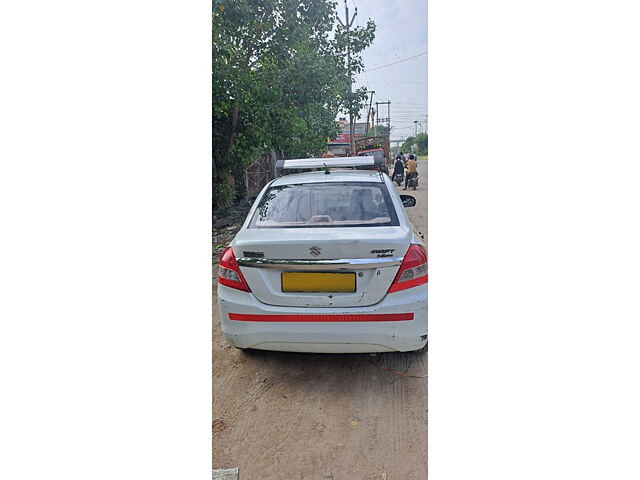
[374, 317]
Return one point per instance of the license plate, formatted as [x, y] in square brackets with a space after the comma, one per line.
[318, 282]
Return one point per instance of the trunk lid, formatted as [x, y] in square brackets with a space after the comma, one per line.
[372, 254]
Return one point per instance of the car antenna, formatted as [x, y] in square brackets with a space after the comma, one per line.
[326, 169]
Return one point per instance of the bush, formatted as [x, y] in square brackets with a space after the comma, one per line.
[223, 195]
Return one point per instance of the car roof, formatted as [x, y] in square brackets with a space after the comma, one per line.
[335, 176]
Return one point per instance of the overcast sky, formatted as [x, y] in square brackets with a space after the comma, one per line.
[401, 32]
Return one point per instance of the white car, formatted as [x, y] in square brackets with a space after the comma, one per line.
[326, 262]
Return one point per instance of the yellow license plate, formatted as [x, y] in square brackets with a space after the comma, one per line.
[318, 282]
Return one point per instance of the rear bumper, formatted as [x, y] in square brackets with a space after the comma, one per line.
[383, 327]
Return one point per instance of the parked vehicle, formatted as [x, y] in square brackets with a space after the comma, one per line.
[377, 146]
[379, 159]
[326, 262]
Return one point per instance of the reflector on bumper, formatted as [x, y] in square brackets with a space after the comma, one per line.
[373, 317]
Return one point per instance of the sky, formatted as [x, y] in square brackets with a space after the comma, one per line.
[401, 32]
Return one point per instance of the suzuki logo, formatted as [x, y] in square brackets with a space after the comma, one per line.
[315, 250]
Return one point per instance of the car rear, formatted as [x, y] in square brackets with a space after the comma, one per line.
[325, 265]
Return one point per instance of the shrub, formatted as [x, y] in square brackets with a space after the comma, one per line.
[223, 195]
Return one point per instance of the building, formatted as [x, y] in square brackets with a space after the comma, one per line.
[340, 145]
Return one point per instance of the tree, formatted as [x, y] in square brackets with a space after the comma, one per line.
[422, 141]
[408, 144]
[357, 40]
[279, 80]
[419, 143]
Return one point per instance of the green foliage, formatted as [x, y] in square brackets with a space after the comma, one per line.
[418, 144]
[422, 141]
[408, 144]
[223, 194]
[359, 39]
[279, 80]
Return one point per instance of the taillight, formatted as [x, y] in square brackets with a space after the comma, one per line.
[229, 273]
[413, 271]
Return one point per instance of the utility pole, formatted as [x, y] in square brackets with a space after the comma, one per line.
[389, 125]
[347, 25]
[388, 119]
[415, 124]
[370, 112]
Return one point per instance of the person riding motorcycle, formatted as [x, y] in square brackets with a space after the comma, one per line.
[412, 170]
[398, 167]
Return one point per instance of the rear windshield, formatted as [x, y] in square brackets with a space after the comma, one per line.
[335, 204]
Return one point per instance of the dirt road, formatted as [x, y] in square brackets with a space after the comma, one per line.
[297, 416]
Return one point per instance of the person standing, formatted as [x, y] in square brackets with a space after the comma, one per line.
[412, 169]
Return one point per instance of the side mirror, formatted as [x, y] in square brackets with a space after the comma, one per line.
[408, 200]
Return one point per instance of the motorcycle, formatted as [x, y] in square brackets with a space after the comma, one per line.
[398, 178]
[413, 181]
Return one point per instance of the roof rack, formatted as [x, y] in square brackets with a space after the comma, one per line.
[338, 162]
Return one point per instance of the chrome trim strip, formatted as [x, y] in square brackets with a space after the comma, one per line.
[315, 265]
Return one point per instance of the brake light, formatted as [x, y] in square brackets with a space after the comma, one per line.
[229, 272]
[413, 271]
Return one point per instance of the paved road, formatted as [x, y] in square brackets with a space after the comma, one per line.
[300, 416]
[418, 214]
